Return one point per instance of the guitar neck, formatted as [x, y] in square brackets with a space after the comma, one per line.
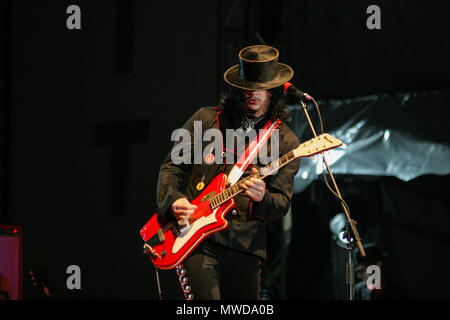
[237, 188]
[308, 148]
[277, 164]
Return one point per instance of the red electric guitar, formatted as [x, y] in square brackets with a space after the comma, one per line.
[169, 244]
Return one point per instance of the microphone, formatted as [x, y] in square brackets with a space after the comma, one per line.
[289, 88]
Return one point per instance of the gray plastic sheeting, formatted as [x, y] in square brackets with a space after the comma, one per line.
[403, 135]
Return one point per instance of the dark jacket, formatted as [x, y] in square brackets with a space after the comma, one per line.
[246, 232]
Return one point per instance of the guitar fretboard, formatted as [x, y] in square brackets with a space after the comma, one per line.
[277, 164]
[235, 189]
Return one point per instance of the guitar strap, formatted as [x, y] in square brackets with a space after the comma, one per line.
[251, 151]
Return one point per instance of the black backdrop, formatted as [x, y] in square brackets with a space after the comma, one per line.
[86, 118]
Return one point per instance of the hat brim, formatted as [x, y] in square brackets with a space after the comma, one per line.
[285, 73]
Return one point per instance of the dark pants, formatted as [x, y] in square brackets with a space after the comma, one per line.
[216, 272]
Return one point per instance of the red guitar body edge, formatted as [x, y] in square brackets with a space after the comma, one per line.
[162, 254]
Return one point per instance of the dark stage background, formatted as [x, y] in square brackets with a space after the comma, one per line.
[86, 118]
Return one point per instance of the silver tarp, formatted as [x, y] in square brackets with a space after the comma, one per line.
[402, 135]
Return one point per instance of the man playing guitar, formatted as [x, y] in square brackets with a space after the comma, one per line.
[226, 265]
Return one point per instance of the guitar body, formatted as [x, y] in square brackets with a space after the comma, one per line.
[169, 246]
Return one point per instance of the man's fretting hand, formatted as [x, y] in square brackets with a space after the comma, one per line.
[255, 188]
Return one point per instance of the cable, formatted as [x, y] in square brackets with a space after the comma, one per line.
[323, 155]
[318, 113]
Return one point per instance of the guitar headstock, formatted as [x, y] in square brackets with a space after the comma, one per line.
[313, 146]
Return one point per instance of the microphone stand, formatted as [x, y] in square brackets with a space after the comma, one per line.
[349, 268]
[350, 222]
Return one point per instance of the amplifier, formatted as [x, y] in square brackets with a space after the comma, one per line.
[10, 262]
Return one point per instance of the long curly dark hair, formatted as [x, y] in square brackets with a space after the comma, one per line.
[232, 101]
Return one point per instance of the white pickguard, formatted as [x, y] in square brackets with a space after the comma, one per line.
[184, 237]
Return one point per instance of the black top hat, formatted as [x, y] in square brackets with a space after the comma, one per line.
[258, 69]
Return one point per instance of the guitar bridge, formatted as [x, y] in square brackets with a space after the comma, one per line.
[157, 239]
